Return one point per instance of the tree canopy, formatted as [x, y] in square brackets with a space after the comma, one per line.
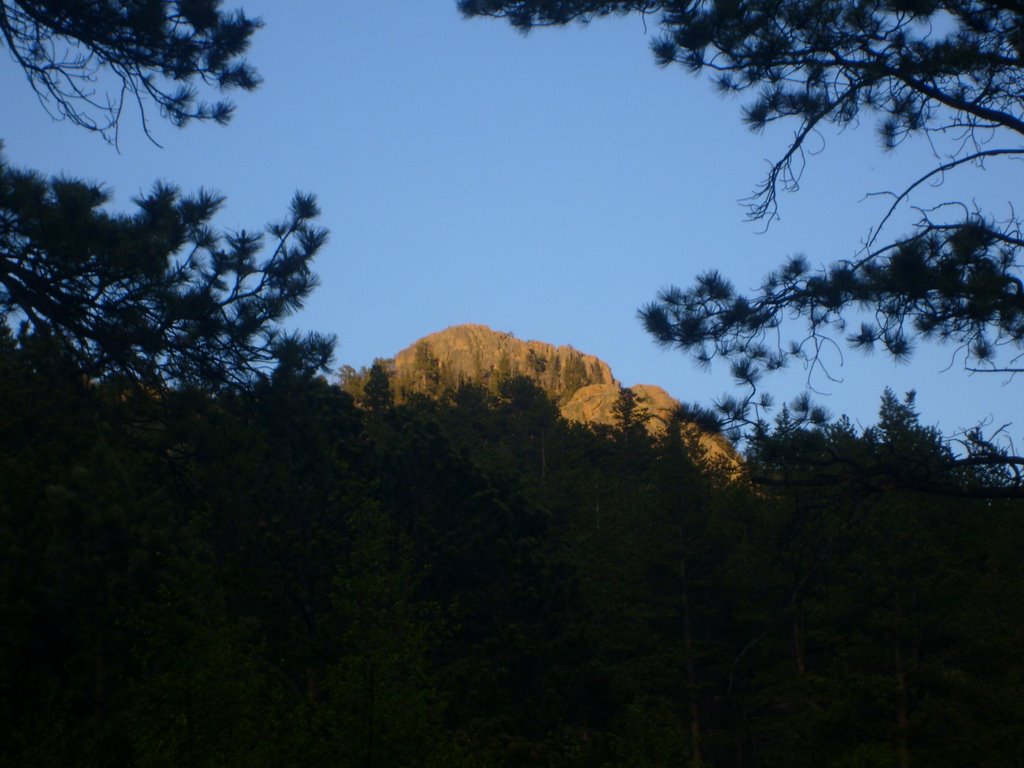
[88, 60]
[286, 578]
[949, 71]
[158, 296]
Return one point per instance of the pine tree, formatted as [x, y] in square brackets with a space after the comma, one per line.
[947, 71]
[162, 53]
[376, 394]
[158, 297]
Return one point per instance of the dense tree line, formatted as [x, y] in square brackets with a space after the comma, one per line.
[287, 576]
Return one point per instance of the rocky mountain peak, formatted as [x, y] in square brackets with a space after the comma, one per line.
[581, 384]
[477, 354]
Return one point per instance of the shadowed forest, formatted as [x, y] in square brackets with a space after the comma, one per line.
[291, 577]
[213, 552]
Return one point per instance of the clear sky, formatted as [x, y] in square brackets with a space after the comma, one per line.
[545, 185]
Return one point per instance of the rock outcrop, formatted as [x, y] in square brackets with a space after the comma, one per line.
[595, 404]
[475, 353]
[581, 384]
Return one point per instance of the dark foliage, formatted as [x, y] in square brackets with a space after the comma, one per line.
[898, 454]
[88, 60]
[278, 577]
[949, 70]
[159, 296]
[228, 568]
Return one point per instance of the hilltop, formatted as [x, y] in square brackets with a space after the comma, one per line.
[582, 385]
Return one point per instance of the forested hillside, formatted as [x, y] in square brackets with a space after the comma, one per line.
[286, 577]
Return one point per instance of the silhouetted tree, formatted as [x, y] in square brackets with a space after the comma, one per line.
[158, 296]
[377, 394]
[629, 418]
[948, 70]
[898, 453]
[877, 579]
[86, 58]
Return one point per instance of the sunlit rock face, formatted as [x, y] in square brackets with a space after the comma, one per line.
[477, 354]
[594, 404]
[581, 384]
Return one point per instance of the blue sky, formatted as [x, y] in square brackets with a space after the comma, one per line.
[545, 185]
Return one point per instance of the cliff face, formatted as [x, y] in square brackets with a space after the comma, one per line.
[475, 353]
[582, 384]
[594, 404]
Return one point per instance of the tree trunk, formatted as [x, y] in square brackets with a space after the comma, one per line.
[902, 698]
[902, 716]
[370, 724]
[798, 634]
[691, 676]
